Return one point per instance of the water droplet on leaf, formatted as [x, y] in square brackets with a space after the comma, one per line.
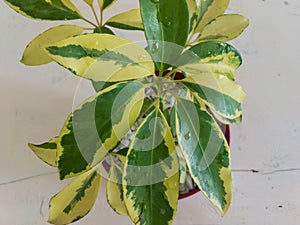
[167, 21]
[154, 47]
[133, 156]
[162, 211]
[187, 136]
[142, 57]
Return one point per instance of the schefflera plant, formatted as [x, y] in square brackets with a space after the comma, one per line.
[185, 37]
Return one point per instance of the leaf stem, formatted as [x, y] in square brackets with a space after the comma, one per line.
[95, 15]
[190, 42]
[158, 93]
[101, 16]
[88, 21]
[172, 72]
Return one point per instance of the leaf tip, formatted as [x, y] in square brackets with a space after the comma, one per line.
[30, 145]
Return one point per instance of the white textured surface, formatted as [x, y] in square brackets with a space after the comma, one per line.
[36, 100]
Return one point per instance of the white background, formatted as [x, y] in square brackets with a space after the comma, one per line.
[36, 100]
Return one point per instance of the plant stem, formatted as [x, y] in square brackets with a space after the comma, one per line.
[158, 93]
[101, 16]
[172, 72]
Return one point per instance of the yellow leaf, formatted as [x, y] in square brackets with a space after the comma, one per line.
[224, 28]
[75, 200]
[215, 9]
[35, 55]
[127, 20]
[89, 2]
[114, 190]
[70, 5]
[103, 4]
[46, 151]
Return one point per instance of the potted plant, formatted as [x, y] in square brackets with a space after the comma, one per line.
[157, 109]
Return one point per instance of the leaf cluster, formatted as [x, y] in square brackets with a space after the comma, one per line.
[167, 99]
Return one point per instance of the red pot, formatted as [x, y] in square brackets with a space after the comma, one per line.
[178, 75]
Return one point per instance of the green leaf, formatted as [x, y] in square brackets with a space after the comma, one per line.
[103, 30]
[148, 106]
[46, 151]
[224, 28]
[206, 152]
[75, 200]
[35, 55]
[121, 155]
[129, 20]
[45, 9]
[166, 29]
[219, 57]
[225, 120]
[114, 190]
[96, 126]
[103, 4]
[218, 92]
[102, 57]
[151, 177]
[210, 10]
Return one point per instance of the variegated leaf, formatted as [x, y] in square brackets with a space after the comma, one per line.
[210, 10]
[34, 53]
[102, 57]
[96, 127]
[219, 57]
[194, 13]
[225, 120]
[103, 4]
[89, 2]
[203, 6]
[224, 28]
[129, 20]
[218, 92]
[166, 29]
[45, 9]
[206, 152]
[69, 4]
[148, 106]
[151, 177]
[101, 85]
[75, 200]
[114, 190]
[46, 151]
